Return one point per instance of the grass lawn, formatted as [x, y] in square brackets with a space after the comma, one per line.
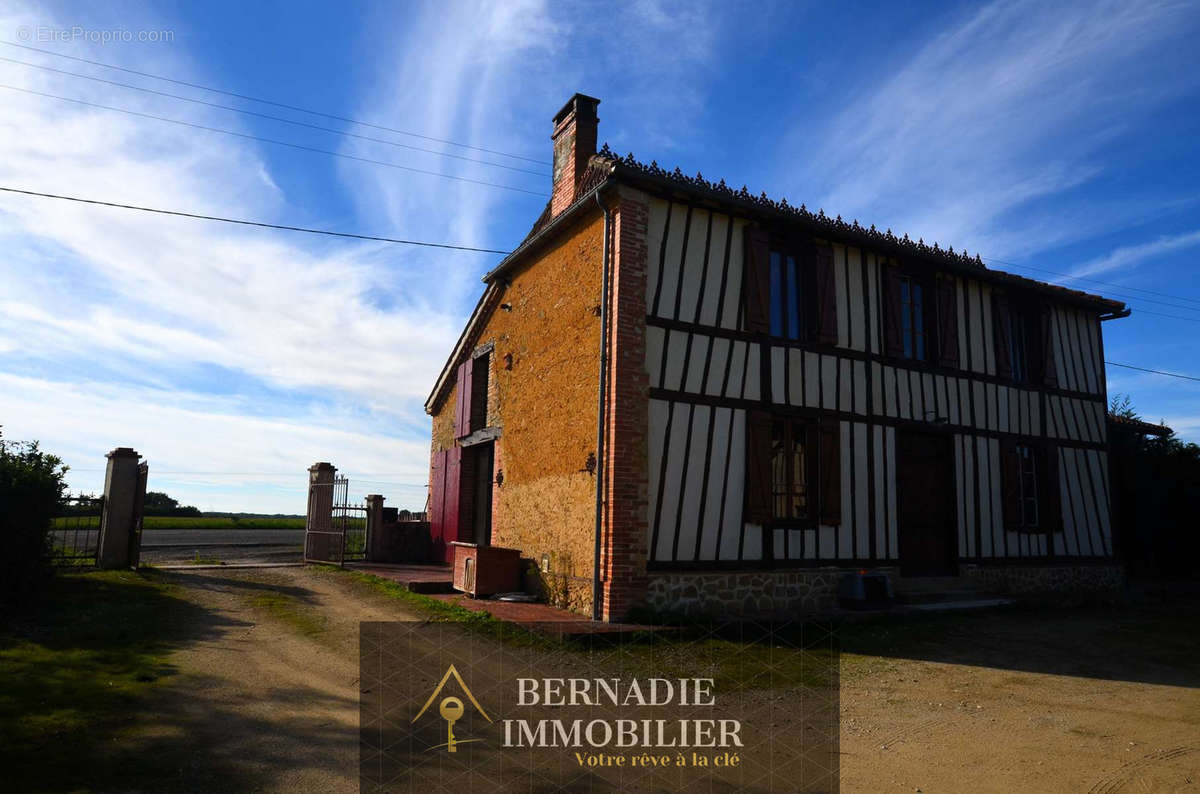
[75, 669]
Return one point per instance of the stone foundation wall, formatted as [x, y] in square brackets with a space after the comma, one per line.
[747, 593]
[1018, 579]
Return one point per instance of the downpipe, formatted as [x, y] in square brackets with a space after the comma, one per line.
[601, 408]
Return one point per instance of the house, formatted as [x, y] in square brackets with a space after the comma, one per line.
[679, 395]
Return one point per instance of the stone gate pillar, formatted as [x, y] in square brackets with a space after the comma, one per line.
[121, 500]
[376, 541]
[319, 516]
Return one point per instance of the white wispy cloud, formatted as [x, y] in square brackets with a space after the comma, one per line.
[1128, 255]
[1008, 105]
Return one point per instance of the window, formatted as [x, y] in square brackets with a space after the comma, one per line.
[790, 291]
[1018, 345]
[787, 296]
[1021, 354]
[470, 411]
[1030, 477]
[920, 317]
[789, 469]
[913, 335]
[1027, 486]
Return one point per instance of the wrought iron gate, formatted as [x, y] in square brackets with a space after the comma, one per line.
[336, 530]
[75, 532]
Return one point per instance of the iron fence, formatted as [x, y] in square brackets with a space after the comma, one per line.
[343, 535]
[75, 532]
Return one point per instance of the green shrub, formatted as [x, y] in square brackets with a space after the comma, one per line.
[31, 488]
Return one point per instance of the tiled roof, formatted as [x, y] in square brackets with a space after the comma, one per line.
[1138, 426]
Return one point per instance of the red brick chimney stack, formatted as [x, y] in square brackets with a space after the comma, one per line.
[574, 143]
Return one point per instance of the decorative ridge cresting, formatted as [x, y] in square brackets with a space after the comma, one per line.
[818, 219]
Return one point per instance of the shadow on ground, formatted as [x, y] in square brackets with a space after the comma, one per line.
[90, 699]
[1147, 643]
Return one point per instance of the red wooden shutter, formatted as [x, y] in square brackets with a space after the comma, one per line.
[1010, 480]
[437, 499]
[756, 292]
[893, 345]
[1049, 363]
[451, 509]
[947, 308]
[479, 387]
[827, 330]
[758, 467]
[1000, 326]
[462, 407]
[830, 485]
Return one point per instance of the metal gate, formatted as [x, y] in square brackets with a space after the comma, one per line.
[75, 532]
[336, 530]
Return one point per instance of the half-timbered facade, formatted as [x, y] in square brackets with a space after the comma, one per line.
[781, 396]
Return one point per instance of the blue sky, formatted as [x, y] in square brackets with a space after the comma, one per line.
[1046, 137]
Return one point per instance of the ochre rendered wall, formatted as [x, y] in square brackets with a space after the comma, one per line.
[545, 406]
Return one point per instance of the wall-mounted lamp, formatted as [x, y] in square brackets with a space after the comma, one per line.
[596, 310]
[545, 563]
[589, 465]
[499, 477]
[506, 307]
[508, 359]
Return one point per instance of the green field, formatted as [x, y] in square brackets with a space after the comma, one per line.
[188, 522]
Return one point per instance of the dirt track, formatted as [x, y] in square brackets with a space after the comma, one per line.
[267, 700]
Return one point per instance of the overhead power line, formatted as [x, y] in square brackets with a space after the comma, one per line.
[274, 118]
[273, 103]
[288, 144]
[261, 224]
[1154, 371]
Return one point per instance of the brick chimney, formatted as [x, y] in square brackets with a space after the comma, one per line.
[574, 143]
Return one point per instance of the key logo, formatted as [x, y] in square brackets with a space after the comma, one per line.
[452, 710]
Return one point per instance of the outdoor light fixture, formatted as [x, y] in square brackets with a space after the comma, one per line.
[589, 465]
[506, 307]
[499, 477]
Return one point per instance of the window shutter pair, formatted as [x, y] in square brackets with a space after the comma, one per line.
[463, 401]
[1000, 326]
[756, 286]
[759, 506]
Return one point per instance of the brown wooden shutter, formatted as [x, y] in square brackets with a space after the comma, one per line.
[947, 312]
[1049, 494]
[1010, 481]
[462, 402]
[756, 291]
[827, 326]
[829, 450]
[758, 467]
[1049, 364]
[1000, 325]
[893, 345]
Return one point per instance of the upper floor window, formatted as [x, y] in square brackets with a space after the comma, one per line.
[1027, 485]
[1017, 327]
[470, 410]
[920, 316]
[789, 291]
[914, 335]
[1020, 333]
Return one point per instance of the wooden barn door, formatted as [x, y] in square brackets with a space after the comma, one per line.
[925, 490]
